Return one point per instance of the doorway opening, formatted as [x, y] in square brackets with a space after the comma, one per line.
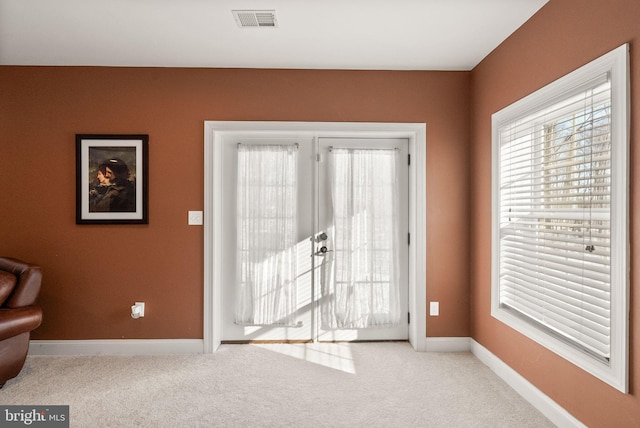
[314, 141]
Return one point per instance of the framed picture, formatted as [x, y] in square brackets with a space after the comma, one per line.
[112, 179]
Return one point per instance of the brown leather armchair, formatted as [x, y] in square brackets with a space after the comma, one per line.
[19, 289]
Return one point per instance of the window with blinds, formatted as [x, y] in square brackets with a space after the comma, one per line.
[559, 225]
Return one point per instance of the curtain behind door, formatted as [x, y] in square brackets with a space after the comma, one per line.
[360, 283]
[266, 234]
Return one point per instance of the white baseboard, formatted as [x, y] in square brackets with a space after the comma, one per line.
[448, 344]
[116, 347]
[552, 410]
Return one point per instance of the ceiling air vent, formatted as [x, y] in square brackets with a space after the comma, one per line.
[255, 18]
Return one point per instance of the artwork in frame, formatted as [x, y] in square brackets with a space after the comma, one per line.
[112, 179]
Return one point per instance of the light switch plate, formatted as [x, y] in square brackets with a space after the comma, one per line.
[195, 218]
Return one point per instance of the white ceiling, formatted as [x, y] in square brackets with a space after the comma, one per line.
[311, 34]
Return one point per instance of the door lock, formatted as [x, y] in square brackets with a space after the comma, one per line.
[321, 237]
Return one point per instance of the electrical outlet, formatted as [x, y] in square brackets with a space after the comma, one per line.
[195, 218]
[137, 310]
[434, 309]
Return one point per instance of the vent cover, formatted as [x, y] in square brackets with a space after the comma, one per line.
[255, 18]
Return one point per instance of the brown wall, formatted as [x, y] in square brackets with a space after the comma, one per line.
[558, 39]
[92, 274]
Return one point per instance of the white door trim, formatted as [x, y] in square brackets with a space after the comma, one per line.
[215, 130]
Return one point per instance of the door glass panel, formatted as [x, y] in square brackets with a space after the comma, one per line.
[266, 235]
[360, 284]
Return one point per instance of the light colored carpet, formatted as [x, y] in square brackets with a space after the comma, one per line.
[315, 385]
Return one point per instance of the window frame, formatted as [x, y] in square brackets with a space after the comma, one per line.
[616, 64]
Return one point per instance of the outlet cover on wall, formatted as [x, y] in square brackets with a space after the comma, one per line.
[434, 309]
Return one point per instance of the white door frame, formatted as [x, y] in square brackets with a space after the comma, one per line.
[215, 131]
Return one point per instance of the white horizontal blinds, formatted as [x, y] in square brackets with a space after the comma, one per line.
[266, 234]
[555, 174]
[360, 281]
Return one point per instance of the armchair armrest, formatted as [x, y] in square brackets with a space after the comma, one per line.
[20, 320]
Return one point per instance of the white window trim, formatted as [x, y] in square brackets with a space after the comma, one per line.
[615, 63]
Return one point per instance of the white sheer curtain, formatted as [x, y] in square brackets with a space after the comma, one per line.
[360, 276]
[266, 234]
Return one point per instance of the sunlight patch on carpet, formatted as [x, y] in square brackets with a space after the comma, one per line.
[337, 356]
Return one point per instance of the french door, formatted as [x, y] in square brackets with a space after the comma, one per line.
[314, 239]
[362, 209]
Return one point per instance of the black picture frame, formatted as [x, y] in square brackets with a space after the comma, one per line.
[112, 178]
